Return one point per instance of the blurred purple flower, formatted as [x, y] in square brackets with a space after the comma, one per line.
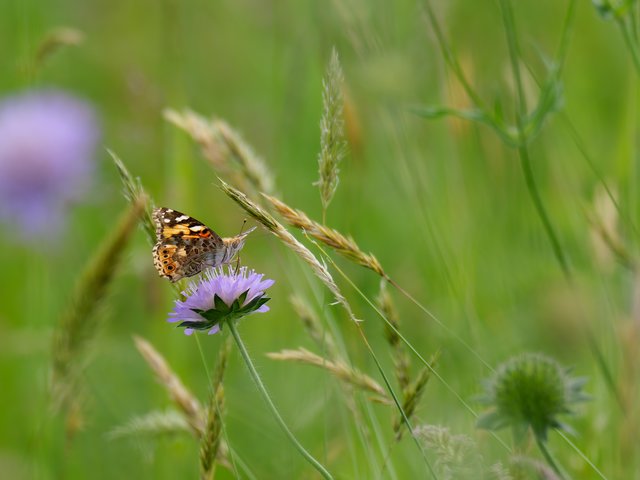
[218, 297]
[47, 144]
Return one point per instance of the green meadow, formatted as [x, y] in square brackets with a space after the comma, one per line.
[461, 180]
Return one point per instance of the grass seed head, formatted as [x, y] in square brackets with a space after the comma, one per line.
[184, 400]
[332, 143]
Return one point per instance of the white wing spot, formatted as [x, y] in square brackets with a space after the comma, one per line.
[167, 220]
[182, 218]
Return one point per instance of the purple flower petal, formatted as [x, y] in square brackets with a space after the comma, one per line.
[228, 285]
[47, 144]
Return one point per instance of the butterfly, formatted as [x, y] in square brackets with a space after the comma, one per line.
[186, 246]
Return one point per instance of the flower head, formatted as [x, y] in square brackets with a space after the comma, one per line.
[47, 144]
[530, 390]
[220, 296]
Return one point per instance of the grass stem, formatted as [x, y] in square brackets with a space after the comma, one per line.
[267, 398]
[523, 151]
[548, 457]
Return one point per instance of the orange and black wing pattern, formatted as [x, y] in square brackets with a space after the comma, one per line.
[184, 245]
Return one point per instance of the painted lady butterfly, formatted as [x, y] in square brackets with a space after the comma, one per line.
[186, 246]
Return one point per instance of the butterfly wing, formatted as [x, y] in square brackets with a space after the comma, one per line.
[184, 245]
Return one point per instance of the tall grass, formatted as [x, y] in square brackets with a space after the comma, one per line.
[406, 270]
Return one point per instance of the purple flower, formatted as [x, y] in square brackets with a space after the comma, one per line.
[218, 297]
[47, 144]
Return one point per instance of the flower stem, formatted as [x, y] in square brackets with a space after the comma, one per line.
[547, 455]
[261, 388]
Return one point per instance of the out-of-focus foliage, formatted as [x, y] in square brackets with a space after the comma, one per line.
[441, 203]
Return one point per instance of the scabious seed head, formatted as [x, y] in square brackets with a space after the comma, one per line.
[220, 295]
[47, 145]
[530, 391]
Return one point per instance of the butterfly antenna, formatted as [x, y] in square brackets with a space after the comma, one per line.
[244, 222]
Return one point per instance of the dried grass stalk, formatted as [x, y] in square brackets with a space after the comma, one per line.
[605, 237]
[200, 130]
[412, 395]
[456, 456]
[520, 466]
[345, 246]
[152, 424]
[211, 440]
[55, 40]
[156, 424]
[210, 443]
[323, 339]
[180, 395]
[275, 227]
[400, 357]
[338, 368]
[79, 322]
[133, 190]
[332, 143]
[220, 144]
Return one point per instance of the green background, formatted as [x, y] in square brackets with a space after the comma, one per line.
[441, 203]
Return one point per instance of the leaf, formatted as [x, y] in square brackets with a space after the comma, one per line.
[255, 304]
[195, 325]
[243, 297]
[220, 305]
[520, 431]
[492, 420]
[212, 315]
[474, 115]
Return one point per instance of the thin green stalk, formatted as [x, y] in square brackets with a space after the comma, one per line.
[523, 151]
[580, 145]
[387, 465]
[582, 455]
[532, 188]
[547, 455]
[567, 29]
[440, 323]
[514, 54]
[232, 455]
[395, 398]
[634, 24]
[243, 466]
[433, 371]
[204, 363]
[362, 429]
[632, 45]
[606, 371]
[265, 395]
[450, 58]
[408, 295]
